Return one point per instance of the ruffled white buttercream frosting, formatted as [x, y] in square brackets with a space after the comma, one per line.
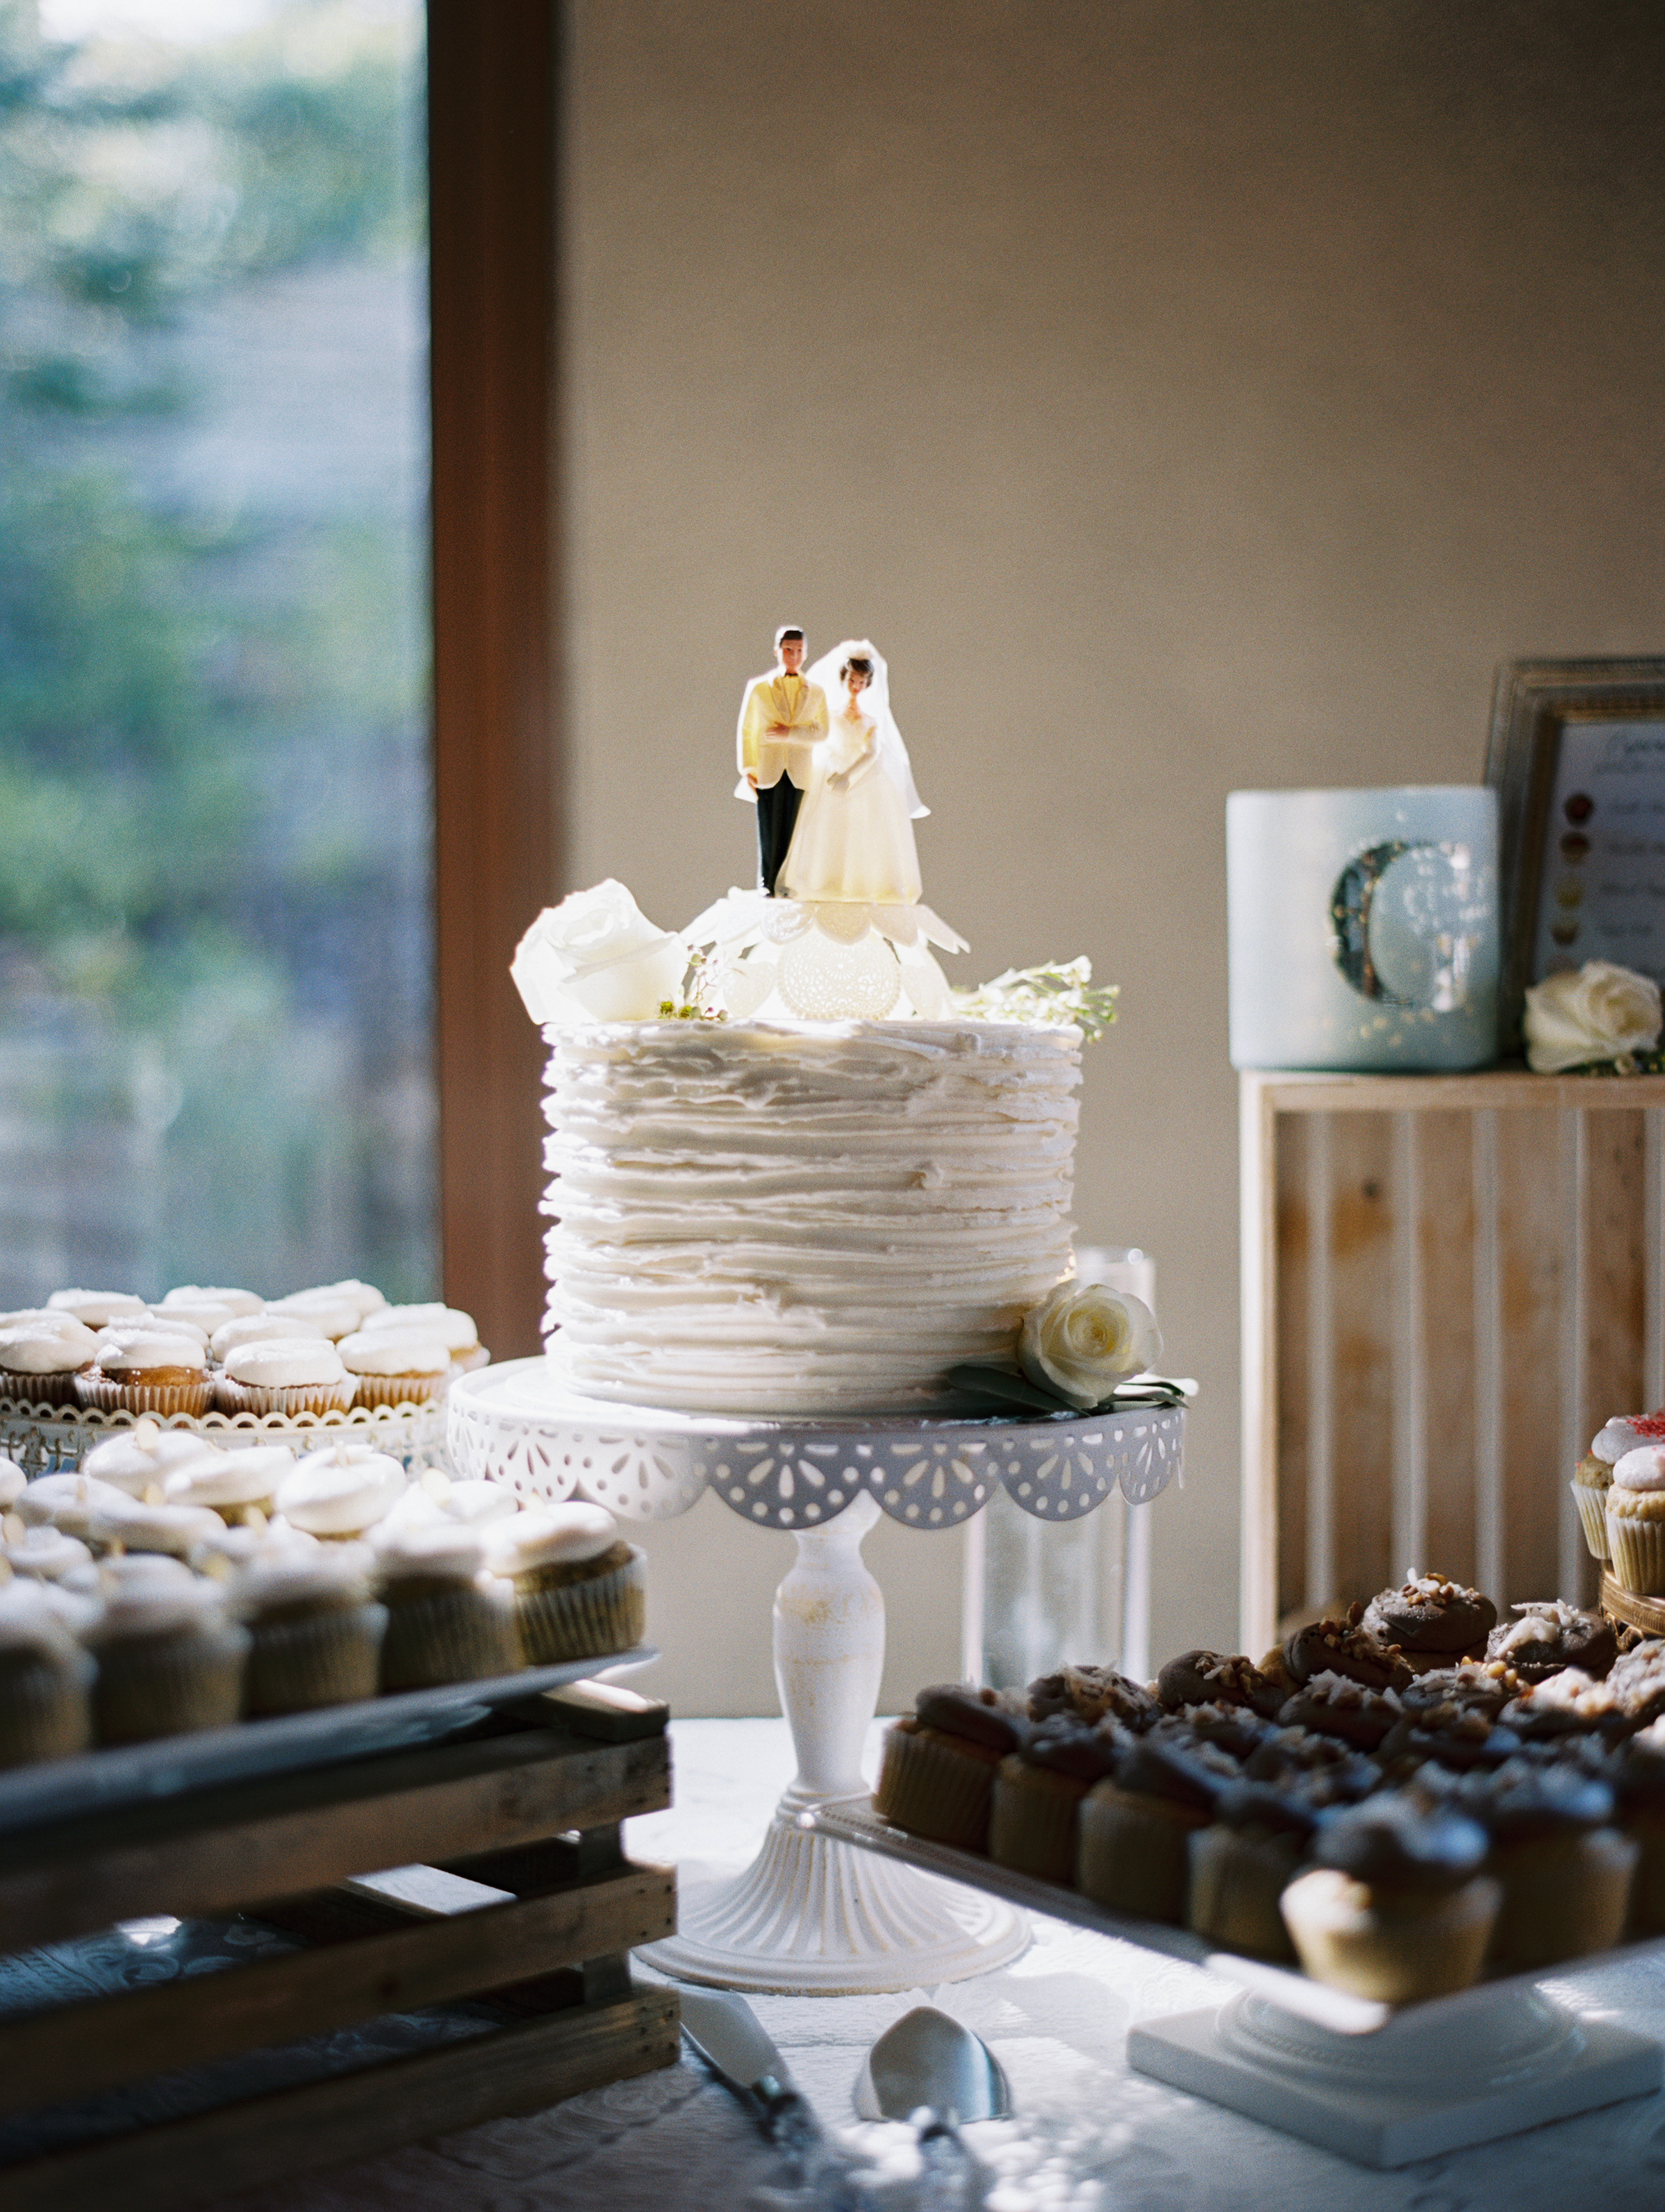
[775, 1218]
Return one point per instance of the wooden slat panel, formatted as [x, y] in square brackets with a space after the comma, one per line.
[1257, 1233]
[432, 1961]
[1615, 1268]
[1505, 1089]
[214, 1851]
[1653, 1243]
[265, 2139]
[1361, 1271]
[1531, 1271]
[1296, 1295]
[1445, 1236]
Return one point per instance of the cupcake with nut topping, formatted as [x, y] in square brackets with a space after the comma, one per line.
[936, 1771]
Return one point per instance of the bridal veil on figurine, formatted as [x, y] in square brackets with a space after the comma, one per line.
[838, 932]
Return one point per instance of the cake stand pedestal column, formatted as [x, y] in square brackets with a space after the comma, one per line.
[809, 1913]
[814, 1914]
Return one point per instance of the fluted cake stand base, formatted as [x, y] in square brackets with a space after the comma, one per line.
[810, 1916]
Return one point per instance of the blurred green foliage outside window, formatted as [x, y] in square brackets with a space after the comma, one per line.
[214, 834]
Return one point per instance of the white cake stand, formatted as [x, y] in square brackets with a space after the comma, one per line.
[811, 1914]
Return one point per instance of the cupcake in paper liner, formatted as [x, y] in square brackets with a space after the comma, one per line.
[328, 1313]
[454, 1328]
[235, 1484]
[97, 1309]
[339, 1493]
[284, 1375]
[45, 1682]
[936, 1773]
[154, 1371]
[580, 1590]
[142, 1459]
[1636, 1521]
[139, 1526]
[39, 1359]
[395, 1366]
[448, 1620]
[170, 1663]
[315, 1629]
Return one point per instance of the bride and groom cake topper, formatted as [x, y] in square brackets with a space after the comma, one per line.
[831, 783]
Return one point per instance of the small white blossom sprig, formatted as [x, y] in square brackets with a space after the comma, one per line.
[1058, 996]
[1604, 1020]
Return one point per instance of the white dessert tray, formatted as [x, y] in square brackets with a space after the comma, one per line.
[1383, 2084]
[100, 1781]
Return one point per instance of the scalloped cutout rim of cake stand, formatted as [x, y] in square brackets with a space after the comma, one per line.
[1381, 2085]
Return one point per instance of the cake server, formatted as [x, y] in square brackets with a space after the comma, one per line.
[927, 2058]
[730, 2038]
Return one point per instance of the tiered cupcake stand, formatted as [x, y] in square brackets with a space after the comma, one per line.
[53, 1439]
[812, 1913]
[836, 1901]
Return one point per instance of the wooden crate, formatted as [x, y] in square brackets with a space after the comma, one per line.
[1448, 1283]
[530, 1806]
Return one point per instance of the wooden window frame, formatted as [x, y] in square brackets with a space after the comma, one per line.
[493, 82]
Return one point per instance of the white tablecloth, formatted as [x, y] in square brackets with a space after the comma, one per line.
[1086, 2132]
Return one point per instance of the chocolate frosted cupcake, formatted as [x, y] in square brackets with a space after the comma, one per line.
[1093, 1694]
[1214, 1678]
[1477, 1686]
[284, 1375]
[1131, 1831]
[448, 1620]
[45, 1682]
[1242, 1862]
[1565, 1869]
[1451, 1736]
[1347, 1647]
[1037, 1789]
[156, 1370]
[1636, 1521]
[169, 1662]
[1332, 1705]
[1432, 1621]
[1569, 1704]
[1397, 1907]
[1327, 1770]
[315, 1630]
[1637, 1680]
[39, 1360]
[1550, 1634]
[1237, 1730]
[936, 1773]
[580, 1590]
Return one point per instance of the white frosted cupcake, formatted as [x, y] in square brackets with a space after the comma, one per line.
[206, 1314]
[363, 1298]
[258, 1328]
[329, 1316]
[578, 1590]
[189, 1296]
[288, 1375]
[72, 1503]
[141, 1527]
[39, 1360]
[233, 1483]
[140, 1460]
[95, 1309]
[341, 1492]
[448, 1621]
[45, 1682]
[316, 1631]
[394, 1366]
[455, 1329]
[477, 1505]
[45, 1554]
[157, 1371]
[416, 1507]
[170, 1661]
[13, 1483]
[1636, 1521]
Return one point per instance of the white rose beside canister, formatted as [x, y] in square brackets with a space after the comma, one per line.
[1602, 1012]
[596, 957]
[1083, 1337]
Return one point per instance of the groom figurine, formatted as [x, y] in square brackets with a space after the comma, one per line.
[782, 718]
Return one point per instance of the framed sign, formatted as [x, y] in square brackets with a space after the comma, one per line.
[1577, 757]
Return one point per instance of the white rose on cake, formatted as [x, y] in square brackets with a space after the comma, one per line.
[1602, 1012]
[596, 957]
[1083, 1337]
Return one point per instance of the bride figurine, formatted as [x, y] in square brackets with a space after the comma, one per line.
[854, 838]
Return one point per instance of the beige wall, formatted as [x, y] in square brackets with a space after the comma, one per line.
[1184, 395]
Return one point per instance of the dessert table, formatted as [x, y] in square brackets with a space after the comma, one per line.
[1086, 2132]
